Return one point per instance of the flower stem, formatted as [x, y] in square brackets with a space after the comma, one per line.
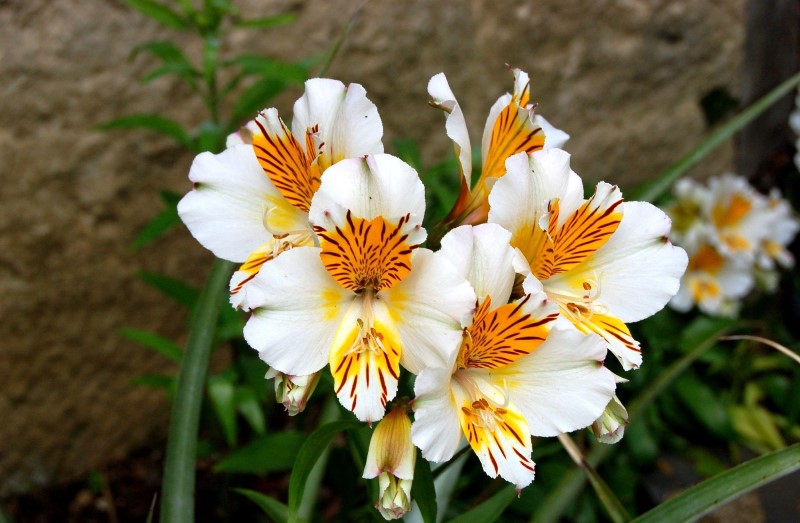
[177, 495]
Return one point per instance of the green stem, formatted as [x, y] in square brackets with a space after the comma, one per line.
[337, 45]
[177, 495]
[610, 502]
[330, 412]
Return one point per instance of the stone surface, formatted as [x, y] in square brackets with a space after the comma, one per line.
[623, 77]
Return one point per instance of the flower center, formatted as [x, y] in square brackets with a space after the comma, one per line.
[579, 307]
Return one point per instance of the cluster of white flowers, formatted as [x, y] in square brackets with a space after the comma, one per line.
[505, 328]
[735, 237]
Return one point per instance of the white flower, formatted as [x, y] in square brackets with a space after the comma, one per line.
[250, 203]
[506, 382]
[510, 128]
[293, 392]
[739, 217]
[604, 262]
[391, 458]
[713, 282]
[367, 299]
[783, 229]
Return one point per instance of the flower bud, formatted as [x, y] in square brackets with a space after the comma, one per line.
[610, 426]
[293, 391]
[391, 459]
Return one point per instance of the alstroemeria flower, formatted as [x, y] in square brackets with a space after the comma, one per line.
[604, 262]
[391, 459]
[739, 216]
[715, 283]
[511, 127]
[367, 300]
[784, 228]
[610, 427]
[250, 203]
[506, 383]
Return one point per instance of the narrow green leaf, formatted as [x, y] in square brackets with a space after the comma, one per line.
[491, 509]
[255, 98]
[150, 122]
[162, 222]
[181, 292]
[211, 137]
[725, 487]
[698, 397]
[307, 457]
[177, 494]
[274, 509]
[270, 68]
[248, 406]
[159, 344]
[423, 491]
[155, 381]
[270, 453]
[270, 21]
[407, 150]
[654, 189]
[222, 393]
[159, 12]
[178, 70]
[166, 51]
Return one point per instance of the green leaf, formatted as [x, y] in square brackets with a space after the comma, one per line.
[255, 98]
[177, 494]
[723, 488]
[698, 397]
[270, 68]
[211, 137]
[155, 381]
[150, 122]
[274, 509]
[653, 190]
[177, 290]
[423, 491]
[311, 450]
[270, 21]
[248, 406]
[270, 453]
[159, 344]
[491, 509]
[165, 220]
[407, 150]
[222, 393]
[177, 69]
[159, 12]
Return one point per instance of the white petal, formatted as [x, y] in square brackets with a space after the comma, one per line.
[520, 198]
[561, 386]
[297, 309]
[436, 429]
[430, 307]
[455, 124]
[554, 138]
[483, 256]
[380, 185]
[225, 211]
[638, 270]
[349, 124]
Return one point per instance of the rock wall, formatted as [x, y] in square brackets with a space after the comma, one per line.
[623, 77]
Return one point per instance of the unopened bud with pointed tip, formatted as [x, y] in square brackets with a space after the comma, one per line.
[610, 426]
[293, 391]
[391, 458]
